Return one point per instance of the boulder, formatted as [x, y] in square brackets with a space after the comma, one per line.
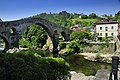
[102, 75]
[80, 76]
[13, 50]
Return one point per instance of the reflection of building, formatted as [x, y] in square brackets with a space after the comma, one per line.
[107, 28]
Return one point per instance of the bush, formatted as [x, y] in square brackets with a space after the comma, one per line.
[73, 47]
[39, 52]
[29, 66]
[62, 45]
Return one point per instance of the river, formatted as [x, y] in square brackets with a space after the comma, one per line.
[79, 64]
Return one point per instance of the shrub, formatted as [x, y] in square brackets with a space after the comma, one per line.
[28, 66]
[39, 52]
[62, 45]
[73, 47]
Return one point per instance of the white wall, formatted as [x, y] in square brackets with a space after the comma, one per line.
[103, 31]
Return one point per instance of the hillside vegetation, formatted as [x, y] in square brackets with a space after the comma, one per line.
[67, 20]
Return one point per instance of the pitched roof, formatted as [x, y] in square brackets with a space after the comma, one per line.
[106, 22]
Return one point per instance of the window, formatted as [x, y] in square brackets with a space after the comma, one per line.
[100, 34]
[100, 28]
[106, 34]
[112, 34]
[106, 28]
[112, 27]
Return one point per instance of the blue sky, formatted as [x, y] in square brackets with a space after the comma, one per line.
[17, 9]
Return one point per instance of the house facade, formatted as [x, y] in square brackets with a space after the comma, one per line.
[107, 28]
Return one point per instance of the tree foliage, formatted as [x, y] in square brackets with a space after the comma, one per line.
[33, 37]
[117, 15]
[30, 66]
[64, 15]
[92, 16]
[79, 36]
[84, 16]
[72, 47]
[64, 18]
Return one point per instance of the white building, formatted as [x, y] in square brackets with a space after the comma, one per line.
[107, 28]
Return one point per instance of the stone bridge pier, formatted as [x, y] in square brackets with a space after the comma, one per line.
[11, 40]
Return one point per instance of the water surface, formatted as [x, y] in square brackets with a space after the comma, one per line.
[79, 64]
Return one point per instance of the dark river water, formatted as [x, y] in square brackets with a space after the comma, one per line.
[79, 64]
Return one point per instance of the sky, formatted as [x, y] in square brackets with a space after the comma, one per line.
[17, 9]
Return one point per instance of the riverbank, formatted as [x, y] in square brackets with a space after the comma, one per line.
[80, 76]
[98, 57]
[84, 68]
[100, 75]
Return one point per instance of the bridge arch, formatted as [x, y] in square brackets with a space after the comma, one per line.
[6, 42]
[18, 26]
[48, 32]
[64, 35]
[45, 28]
[12, 31]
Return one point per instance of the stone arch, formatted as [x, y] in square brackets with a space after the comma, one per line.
[19, 25]
[55, 32]
[14, 37]
[65, 35]
[49, 42]
[45, 28]
[12, 31]
[6, 43]
[48, 32]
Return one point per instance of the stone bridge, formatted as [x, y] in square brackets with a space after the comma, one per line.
[18, 26]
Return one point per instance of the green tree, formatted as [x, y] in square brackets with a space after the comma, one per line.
[64, 15]
[84, 16]
[73, 47]
[117, 15]
[79, 36]
[92, 16]
[33, 37]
